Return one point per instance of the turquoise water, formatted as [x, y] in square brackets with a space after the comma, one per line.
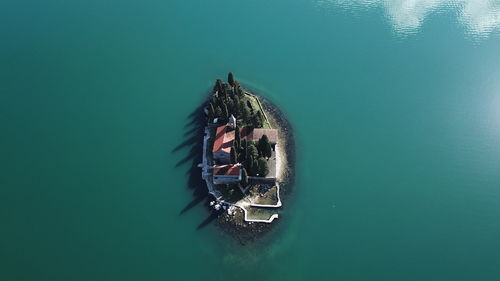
[396, 111]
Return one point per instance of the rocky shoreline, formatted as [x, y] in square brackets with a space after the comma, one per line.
[235, 225]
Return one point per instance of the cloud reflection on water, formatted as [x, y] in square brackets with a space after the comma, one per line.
[479, 17]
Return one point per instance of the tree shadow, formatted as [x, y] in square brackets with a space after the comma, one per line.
[195, 129]
[196, 201]
[192, 141]
[213, 216]
[194, 132]
[194, 154]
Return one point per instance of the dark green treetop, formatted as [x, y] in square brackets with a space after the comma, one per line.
[230, 78]
[263, 168]
[244, 177]
[264, 147]
[233, 155]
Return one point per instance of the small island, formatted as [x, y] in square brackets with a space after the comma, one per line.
[245, 161]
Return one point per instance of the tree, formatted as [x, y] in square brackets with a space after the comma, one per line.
[242, 156]
[218, 85]
[236, 108]
[244, 177]
[257, 120]
[211, 112]
[230, 93]
[237, 89]
[225, 113]
[230, 78]
[265, 147]
[237, 137]
[233, 155]
[252, 151]
[255, 167]
[218, 112]
[249, 165]
[230, 107]
[243, 110]
[246, 149]
[263, 169]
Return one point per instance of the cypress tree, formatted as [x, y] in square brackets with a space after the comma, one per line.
[265, 147]
[218, 112]
[211, 107]
[233, 155]
[237, 110]
[237, 137]
[255, 167]
[249, 105]
[242, 156]
[218, 85]
[230, 107]
[263, 169]
[237, 89]
[230, 78]
[252, 151]
[211, 112]
[257, 120]
[249, 165]
[225, 113]
[244, 177]
[244, 111]
[230, 93]
[246, 149]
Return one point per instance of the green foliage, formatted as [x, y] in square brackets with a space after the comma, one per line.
[248, 165]
[233, 155]
[230, 93]
[236, 107]
[238, 91]
[237, 137]
[253, 151]
[242, 156]
[231, 99]
[231, 108]
[255, 167]
[246, 150]
[244, 112]
[218, 85]
[257, 120]
[211, 112]
[244, 177]
[262, 167]
[264, 147]
[218, 112]
[249, 105]
[225, 113]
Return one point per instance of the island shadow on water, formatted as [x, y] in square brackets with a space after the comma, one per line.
[194, 134]
[195, 123]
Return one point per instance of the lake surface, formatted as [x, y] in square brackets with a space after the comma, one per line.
[396, 111]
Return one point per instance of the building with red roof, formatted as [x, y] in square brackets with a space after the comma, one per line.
[227, 174]
[255, 134]
[224, 138]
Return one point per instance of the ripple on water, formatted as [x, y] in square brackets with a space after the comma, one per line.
[479, 17]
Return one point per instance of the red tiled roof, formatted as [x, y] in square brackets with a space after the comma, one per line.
[256, 134]
[246, 133]
[227, 170]
[272, 134]
[223, 139]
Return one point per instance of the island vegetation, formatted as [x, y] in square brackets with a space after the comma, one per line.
[244, 157]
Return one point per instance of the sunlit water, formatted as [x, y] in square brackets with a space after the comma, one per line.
[395, 106]
[478, 17]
